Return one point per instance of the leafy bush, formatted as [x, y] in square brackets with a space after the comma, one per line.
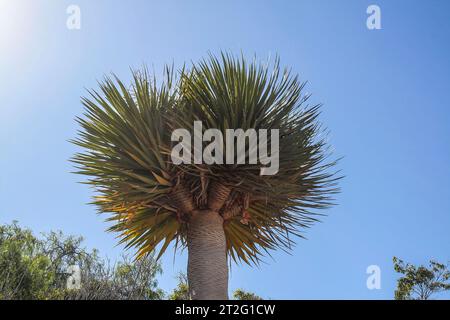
[37, 268]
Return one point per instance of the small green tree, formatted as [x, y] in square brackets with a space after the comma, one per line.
[241, 294]
[181, 292]
[23, 268]
[420, 283]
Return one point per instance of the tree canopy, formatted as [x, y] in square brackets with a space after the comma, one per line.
[421, 282]
[126, 145]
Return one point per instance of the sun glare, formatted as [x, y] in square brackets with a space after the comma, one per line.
[14, 25]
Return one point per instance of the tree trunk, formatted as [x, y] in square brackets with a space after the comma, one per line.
[207, 259]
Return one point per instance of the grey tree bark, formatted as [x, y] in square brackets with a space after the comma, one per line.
[207, 258]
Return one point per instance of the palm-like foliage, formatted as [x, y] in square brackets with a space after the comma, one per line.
[126, 137]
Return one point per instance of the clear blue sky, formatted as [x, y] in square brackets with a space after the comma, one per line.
[386, 102]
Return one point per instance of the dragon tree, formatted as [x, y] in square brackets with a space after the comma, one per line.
[221, 211]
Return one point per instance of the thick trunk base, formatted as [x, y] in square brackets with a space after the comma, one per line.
[207, 259]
